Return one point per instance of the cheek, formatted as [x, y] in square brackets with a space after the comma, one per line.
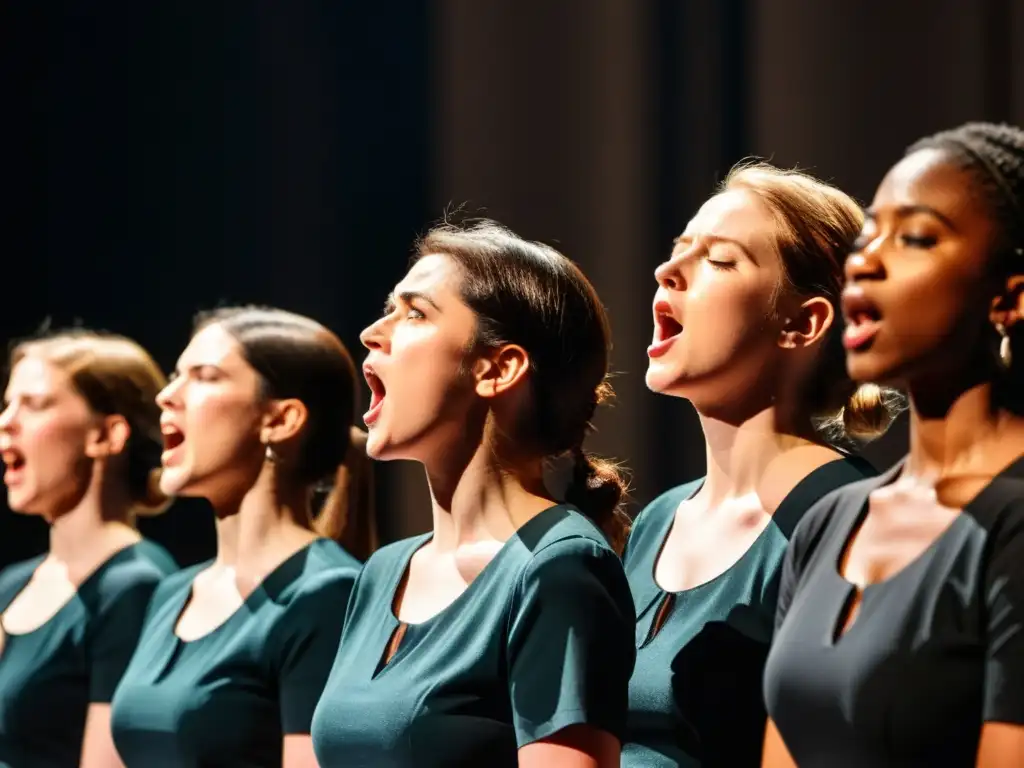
[220, 427]
[733, 308]
[54, 445]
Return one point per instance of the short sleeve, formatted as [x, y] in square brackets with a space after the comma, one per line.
[1004, 603]
[114, 634]
[806, 538]
[570, 642]
[312, 628]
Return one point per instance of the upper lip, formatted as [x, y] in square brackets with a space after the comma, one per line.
[663, 311]
[856, 303]
[373, 379]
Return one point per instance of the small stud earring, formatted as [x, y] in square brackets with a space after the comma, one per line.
[1005, 352]
[270, 454]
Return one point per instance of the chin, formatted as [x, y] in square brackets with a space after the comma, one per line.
[865, 368]
[173, 482]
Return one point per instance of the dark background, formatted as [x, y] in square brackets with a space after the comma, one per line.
[161, 158]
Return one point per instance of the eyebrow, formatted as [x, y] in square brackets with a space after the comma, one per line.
[686, 239]
[408, 297]
[905, 211]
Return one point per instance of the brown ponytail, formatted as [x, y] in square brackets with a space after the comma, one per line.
[348, 513]
[598, 490]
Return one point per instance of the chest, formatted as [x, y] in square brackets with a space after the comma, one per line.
[44, 686]
[907, 664]
[703, 544]
[443, 693]
[215, 598]
[900, 525]
[215, 698]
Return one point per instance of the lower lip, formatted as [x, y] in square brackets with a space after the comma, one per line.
[371, 416]
[659, 348]
[857, 337]
[13, 477]
[171, 456]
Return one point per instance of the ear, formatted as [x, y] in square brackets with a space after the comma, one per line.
[808, 323]
[284, 420]
[1008, 308]
[109, 438]
[501, 370]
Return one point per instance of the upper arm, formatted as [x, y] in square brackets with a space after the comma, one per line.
[570, 643]
[297, 752]
[311, 632]
[98, 742]
[578, 746]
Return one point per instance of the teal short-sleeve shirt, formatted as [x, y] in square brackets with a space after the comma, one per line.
[229, 697]
[695, 696]
[542, 639]
[50, 676]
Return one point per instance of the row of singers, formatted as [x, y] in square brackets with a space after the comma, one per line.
[791, 607]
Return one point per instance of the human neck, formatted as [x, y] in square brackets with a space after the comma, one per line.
[957, 433]
[739, 453]
[484, 497]
[96, 528]
[267, 525]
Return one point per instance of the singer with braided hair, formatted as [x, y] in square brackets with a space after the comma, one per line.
[505, 636]
[900, 628]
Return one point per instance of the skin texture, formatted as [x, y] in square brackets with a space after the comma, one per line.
[418, 349]
[720, 281]
[442, 407]
[924, 237]
[216, 405]
[54, 426]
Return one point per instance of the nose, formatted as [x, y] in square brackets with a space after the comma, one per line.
[670, 276]
[167, 398]
[866, 263]
[7, 417]
[374, 336]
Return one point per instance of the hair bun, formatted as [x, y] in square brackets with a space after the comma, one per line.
[870, 411]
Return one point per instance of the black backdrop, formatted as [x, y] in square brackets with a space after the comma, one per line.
[157, 159]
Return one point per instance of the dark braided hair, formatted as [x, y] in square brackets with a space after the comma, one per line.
[994, 155]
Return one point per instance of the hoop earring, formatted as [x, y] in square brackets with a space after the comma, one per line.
[1005, 351]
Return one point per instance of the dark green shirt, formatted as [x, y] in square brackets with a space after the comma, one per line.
[50, 676]
[228, 698]
[540, 640]
[695, 695]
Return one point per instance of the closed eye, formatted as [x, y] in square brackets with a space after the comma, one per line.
[914, 241]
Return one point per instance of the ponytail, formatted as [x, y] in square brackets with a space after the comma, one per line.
[598, 490]
[348, 515]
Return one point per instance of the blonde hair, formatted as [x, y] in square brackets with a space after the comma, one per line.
[114, 375]
[816, 226]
